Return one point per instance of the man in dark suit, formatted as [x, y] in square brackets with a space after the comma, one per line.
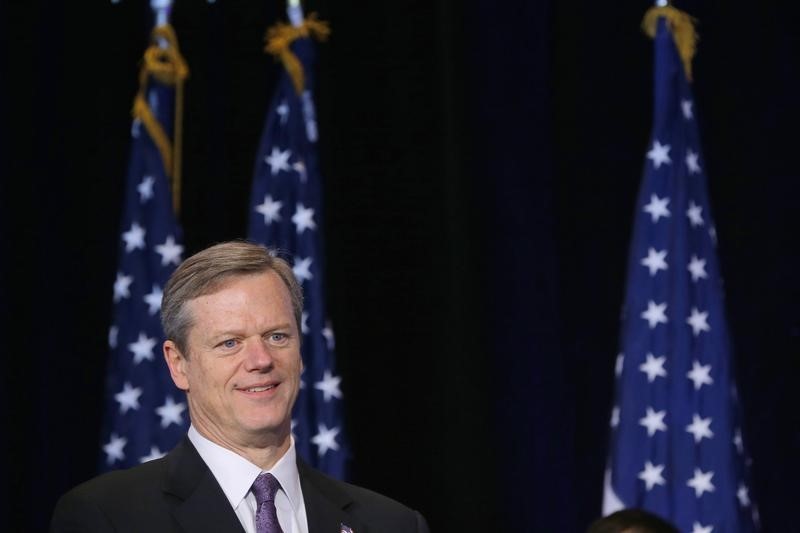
[232, 316]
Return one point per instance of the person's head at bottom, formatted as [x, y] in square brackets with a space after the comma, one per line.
[631, 521]
[232, 314]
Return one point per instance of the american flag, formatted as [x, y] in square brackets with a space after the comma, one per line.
[145, 414]
[676, 438]
[286, 215]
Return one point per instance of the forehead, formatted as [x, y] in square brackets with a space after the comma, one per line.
[247, 300]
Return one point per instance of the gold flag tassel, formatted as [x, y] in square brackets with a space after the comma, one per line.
[281, 35]
[168, 67]
[681, 25]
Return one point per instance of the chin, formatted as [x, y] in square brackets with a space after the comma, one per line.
[262, 426]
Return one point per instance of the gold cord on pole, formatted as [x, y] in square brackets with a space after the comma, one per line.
[166, 65]
[280, 36]
[681, 25]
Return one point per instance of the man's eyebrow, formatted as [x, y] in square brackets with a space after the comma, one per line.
[223, 333]
[284, 325]
[234, 332]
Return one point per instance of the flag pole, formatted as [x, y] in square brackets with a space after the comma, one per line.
[295, 12]
[161, 11]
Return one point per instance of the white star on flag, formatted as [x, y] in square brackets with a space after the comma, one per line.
[330, 340]
[691, 161]
[712, 232]
[686, 108]
[655, 314]
[329, 386]
[152, 99]
[171, 412]
[134, 238]
[300, 168]
[145, 188]
[122, 287]
[700, 428]
[651, 475]
[654, 367]
[614, 417]
[302, 269]
[128, 398]
[701, 482]
[697, 267]
[113, 333]
[699, 321]
[737, 441]
[153, 300]
[114, 448]
[695, 214]
[743, 495]
[325, 439]
[619, 364]
[657, 207]
[143, 348]
[303, 218]
[304, 323]
[699, 374]
[699, 528]
[155, 453]
[270, 209]
[655, 260]
[278, 160]
[653, 421]
[283, 111]
[659, 154]
[170, 251]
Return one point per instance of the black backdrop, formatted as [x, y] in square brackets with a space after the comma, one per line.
[481, 161]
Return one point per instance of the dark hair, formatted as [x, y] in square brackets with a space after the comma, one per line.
[631, 521]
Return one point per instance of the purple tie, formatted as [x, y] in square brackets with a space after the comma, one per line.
[264, 489]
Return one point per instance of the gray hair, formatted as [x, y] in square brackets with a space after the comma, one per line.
[204, 272]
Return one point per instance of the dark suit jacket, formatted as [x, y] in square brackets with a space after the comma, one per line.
[178, 493]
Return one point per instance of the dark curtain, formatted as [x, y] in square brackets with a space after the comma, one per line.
[481, 161]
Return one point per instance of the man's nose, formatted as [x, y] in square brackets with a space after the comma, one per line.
[258, 356]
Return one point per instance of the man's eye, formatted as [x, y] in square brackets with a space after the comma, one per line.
[278, 337]
[230, 343]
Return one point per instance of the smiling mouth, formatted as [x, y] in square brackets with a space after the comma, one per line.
[260, 389]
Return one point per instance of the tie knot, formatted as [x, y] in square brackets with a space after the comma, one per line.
[264, 487]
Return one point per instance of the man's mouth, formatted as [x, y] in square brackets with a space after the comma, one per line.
[261, 389]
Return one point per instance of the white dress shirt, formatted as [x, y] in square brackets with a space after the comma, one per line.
[236, 475]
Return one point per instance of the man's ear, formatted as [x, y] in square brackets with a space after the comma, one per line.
[177, 365]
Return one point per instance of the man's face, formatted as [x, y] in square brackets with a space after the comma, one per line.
[242, 369]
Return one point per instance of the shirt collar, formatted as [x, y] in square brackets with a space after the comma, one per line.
[236, 475]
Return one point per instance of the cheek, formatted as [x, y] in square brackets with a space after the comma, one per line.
[295, 364]
[212, 376]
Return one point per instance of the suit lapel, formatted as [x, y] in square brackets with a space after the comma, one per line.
[326, 503]
[198, 503]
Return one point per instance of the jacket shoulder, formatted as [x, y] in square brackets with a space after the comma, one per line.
[379, 512]
[122, 482]
[100, 503]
